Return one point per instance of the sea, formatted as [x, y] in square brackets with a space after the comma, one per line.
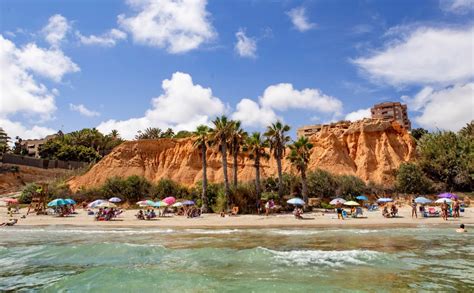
[84, 259]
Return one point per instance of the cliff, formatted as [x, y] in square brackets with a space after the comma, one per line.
[370, 149]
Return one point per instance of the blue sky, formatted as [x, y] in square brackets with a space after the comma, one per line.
[129, 65]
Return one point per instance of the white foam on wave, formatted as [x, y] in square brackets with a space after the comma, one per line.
[92, 231]
[295, 232]
[331, 258]
[212, 231]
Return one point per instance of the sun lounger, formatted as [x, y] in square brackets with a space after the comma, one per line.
[357, 213]
[432, 212]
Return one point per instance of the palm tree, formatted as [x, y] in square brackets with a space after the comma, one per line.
[256, 146]
[219, 138]
[468, 130]
[202, 140]
[299, 157]
[114, 134]
[169, 133]
[277, 139]
[149, 133]
[237, 139]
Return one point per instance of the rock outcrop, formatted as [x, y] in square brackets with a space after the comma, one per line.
[369, 149]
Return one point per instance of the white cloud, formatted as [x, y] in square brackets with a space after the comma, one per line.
[177, 26]
[283, 96]
[109, 39]
[419, 101]
[300, 20]
[457, 6]
[358, 115]
[251, 114]
[81, 109]
[56, 30]
[423, 56]
[50, 63]
[245, 46]
[182, 106]
[14, 129]
[447, 109]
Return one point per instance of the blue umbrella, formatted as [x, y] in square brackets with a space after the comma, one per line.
[70, 201]
[384, 199]
[362, 197]
[95, 203]
[188, 203]
[296, 201]
[57, 202]
[422, 200]
[115, 199]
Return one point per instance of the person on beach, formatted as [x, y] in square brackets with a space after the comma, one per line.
[385, 212]
[413, 209]
[10, 222]
[394, 211]
[456, 208]
[461, 229]
[339, 213]
[444, 210]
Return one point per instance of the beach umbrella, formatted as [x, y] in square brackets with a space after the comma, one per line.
[442, 200]
[351, 203]
[114, 199]
[422, 200]
[362, 197]
[106, 204]
[447, 195]
[188, 203]
[296, 201]
[95, 203]
[177, 204]
[145, 203]
[57, 202]
[160, 204]
[169, 200]
[337, 201]
[70, 201]
[384, 199]
[10, 200]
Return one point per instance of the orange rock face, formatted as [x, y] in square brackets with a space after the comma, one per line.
[369, 149]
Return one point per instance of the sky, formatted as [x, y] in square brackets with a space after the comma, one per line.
[133, 64]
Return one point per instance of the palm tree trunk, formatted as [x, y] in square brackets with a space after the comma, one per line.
[257, 175]
[280, 176]
[305, 186]
[204, 207]
[235, 153]
[224, 167]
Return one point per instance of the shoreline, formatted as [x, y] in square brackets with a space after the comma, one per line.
[316, 220]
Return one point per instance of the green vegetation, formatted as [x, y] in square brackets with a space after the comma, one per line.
[256, 146]
[278, 139]
[202, 143]
[412, 180]
[86, 145]
[299, 158]
[322, 184]
[4, 139]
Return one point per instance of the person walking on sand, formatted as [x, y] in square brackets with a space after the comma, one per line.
[413, 209]
[444, 210]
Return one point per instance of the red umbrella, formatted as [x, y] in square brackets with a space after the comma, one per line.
[169, 200]
[10, 200]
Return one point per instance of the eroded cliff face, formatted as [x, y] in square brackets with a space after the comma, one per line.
[370, 149]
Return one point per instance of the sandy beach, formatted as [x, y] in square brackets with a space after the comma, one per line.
[314, 219]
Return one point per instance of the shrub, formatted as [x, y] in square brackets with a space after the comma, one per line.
[321, 184]
[244, 196]
[28, 192]
[167, 187]
[411, 179]
[220, 203]
[350, 186]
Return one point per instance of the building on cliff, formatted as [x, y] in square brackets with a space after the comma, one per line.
[309, 130]
[392, 111]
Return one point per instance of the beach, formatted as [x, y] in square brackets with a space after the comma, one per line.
[319, 219]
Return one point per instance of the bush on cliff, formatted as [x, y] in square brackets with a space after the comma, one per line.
[412, 180]
[322, 184]
[350, 186]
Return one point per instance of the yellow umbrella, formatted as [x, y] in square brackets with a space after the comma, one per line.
[351, 203]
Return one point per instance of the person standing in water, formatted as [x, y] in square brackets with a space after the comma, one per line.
[413, 209]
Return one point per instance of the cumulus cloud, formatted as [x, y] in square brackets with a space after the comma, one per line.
[56, 30]
[81, 109]
[252, 114]
[245, 46]
[457, 6]
[358, 115]
[14, 129]
[177, 26]
[447, 109]
[283, 96]
[182, 106]
[423, 56]
[108, 39]
[300, 19]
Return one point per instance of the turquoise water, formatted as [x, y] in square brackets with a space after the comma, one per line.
[56, 259]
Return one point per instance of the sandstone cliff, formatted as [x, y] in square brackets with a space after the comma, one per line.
[370, 149]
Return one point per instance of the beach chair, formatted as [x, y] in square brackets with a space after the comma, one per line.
[358, 212]
[344, 214]
[373, 208]
[432, 212]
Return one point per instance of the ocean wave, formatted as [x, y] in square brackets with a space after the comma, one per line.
[213, 231]
[94, 231]
[331, 258]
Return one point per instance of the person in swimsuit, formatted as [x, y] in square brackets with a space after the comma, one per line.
[461, 229]
[413, 209]
[456, 208]
[444, 210]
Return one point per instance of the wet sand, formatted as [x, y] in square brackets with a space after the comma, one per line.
[315, 219]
